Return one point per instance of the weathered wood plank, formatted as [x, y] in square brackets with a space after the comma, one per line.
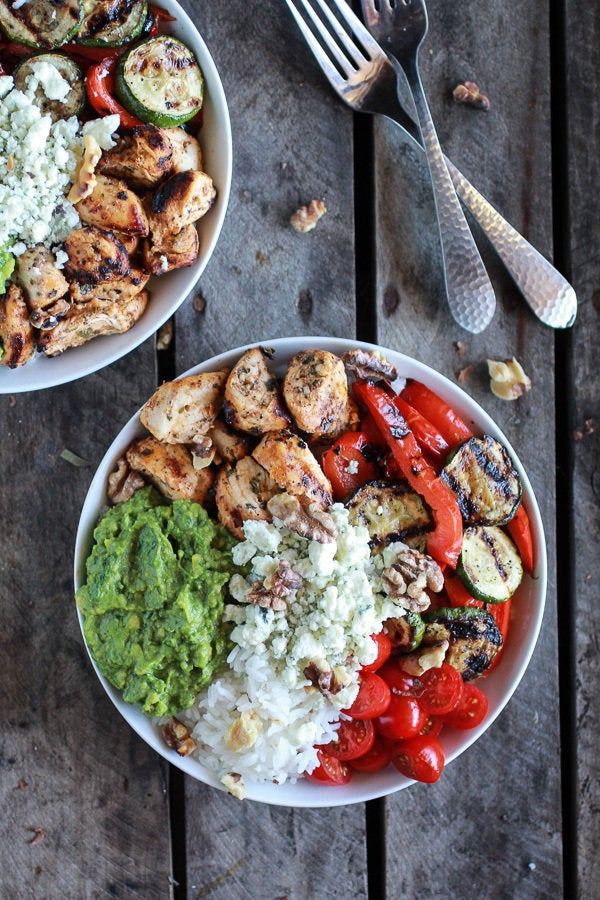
[69, 764]
[478, 818]
[292, 143]
[583, 109]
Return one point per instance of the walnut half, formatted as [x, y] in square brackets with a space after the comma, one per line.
[274, 590]
[305, 218]
[407, 579]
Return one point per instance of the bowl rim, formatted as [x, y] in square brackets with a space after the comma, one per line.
[38, 374]
[362, 787]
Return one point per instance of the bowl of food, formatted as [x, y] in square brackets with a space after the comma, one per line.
[107, 222]
[297, 578]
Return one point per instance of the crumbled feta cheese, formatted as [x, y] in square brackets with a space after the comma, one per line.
[45, 75]
[352, 467]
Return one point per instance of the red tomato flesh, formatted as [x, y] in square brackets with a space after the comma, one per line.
[471, 710]
[373, 698]
[403, 719]
[442, 689]
[346, 464]
[421, 758]
[384, 649]
[433, 725]
[355, 738]
[330, 771]
[376, 759]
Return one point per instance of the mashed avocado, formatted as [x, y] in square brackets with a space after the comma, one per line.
[7, 265]
[153, 600]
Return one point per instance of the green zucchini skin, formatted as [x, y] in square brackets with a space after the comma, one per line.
[473, 636]
[489, 565]
[73, 103]
[487, 485]
[390, 511]
[160, 81]
[42, 24]
[111, 23]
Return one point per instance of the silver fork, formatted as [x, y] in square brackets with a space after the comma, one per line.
[400, 27]
[368, 85]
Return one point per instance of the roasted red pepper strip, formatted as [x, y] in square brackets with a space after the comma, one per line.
[161, 14]
[500, 612]
[100, 87]
[438, 412]
[444, 542]
[459, 595]
[520, 531]
[91, 54]
[428, 437]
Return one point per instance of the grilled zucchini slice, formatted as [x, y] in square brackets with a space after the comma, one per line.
[473, 636]
[110, 23]
[390, 511]
[489, 565]
[485, 481]
[73, 103]
[160, 81]
[44, 24]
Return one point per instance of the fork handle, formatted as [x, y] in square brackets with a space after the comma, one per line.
[547, 292]
[469, 290]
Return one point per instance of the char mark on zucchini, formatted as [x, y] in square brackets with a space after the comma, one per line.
[485, 481]
[390, 511]
[473, 636]
[42, 24]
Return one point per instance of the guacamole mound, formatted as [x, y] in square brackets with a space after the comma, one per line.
[153, 601]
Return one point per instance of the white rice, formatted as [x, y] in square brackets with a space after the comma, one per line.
[331, 618]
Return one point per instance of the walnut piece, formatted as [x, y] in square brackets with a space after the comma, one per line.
[327, 680]
[243, 731]
[305, 218]
[123, 482]
[310, 522]
[276, 587]
[408, 578]
[369, 364]
[508, 381]
[468, 92]
[177, 737]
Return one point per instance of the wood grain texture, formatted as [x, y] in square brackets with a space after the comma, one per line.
[479, 818]
[69, 765]
[583, 109]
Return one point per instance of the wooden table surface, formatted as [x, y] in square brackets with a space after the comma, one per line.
[516, 815]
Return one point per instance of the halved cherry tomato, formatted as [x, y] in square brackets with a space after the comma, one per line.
[444, 542]
[421, 758]
[161, 14]
[442, 689]
[373, 698]
[346, 464]
[330, 770]
[399, 681]
[519, 529]
[458, 594]
[100, 88]
[403, 719]
[376, 759]
[354, 738]
[471, 710]
[438, 412]
[500, 612]
[428, 438]
[384, 648]
[433, 725]
[372, 432]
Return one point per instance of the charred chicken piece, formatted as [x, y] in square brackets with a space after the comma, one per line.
[242, 494]
[290, 462]
[186, 150]
[95, 256]
[180, 201]
[252, 399]
[101, 295]
[43, 283]
[78, 327]
[180, 412]
[143, 157]
[17, 341]
[163, 251]
[369, 364]
[113, 207]
[229, 446]
[169, 468]
[315, 389]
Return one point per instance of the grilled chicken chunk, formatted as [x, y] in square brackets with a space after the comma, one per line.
[180, 412]
[289, 462]
[169, 468]
[315, 389]
[252, 400]
[114, 207]
[131, 242]
[80, 326]
[186, 150]
[95, 256]
[100, 295]
[171, 251]
[143, 157]
[181, 200]
[228, 446]
[17, 340]
[242, 494]
[44, 285]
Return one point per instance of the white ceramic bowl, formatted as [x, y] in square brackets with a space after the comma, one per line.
[169, 291]
[526, 613]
